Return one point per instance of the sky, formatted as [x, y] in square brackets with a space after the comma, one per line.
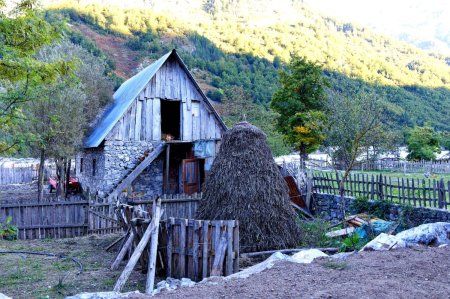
[416, 21]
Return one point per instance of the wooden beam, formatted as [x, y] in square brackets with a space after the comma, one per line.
[137, 171]
[166, 174]
[153, 250]
[136, 255]
[123, 251]
[219, 257]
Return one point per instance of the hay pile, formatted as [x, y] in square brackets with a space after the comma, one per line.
[246, 184]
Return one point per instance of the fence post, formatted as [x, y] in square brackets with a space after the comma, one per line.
[441, 193]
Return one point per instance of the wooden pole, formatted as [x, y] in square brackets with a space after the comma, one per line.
[153, 250]
[136, 254]
[220, 250]
[166, 174]
[123, 251]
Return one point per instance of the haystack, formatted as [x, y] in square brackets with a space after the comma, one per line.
[245, 184]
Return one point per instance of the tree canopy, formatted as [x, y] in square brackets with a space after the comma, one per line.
[423, 143]
[299, 103]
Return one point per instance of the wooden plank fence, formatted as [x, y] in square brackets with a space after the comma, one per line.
[417, 192]
[11, 173]
[406, 166]
[199, 248]
[174, 205]
[66, 219]
[48, 220]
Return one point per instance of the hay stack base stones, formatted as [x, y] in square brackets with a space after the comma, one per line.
[246, 184]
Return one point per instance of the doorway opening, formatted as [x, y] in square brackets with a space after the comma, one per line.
[170, 120]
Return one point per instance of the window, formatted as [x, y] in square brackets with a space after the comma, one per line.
[94, 166]
[81, 165]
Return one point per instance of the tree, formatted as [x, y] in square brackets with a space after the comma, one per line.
[299, 103]
[62, 114]
[354, 122]
[23, 31]
[423, 143]
[445, 140]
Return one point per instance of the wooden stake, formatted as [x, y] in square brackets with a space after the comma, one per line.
[123, 251]
[136, 254]
[153, 250]
[219, 257]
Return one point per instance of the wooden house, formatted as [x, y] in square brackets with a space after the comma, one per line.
[160, 135]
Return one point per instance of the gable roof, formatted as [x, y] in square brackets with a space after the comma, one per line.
[128, 92]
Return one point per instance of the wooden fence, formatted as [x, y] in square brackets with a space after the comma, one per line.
[416, 192]
[48, 220]
[197, 248]
[174, 205]
[22, 173]
[77, 218]
[405, 166]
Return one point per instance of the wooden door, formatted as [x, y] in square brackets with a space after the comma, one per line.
[191, 177]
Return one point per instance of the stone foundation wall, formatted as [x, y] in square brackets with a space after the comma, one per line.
[329, 207]
[114, 160]
[150, 182]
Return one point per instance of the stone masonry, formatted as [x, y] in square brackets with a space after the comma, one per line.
[329, 207]
[113, 161]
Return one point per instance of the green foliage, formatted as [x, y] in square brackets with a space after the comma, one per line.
[236, 50]
[423, 144]
[215, 95]
[23, 31]
[299, 102]
[7, 230]
[312, 233]
[351, 243]
[445, 140]
[377, 208]
[336, 265]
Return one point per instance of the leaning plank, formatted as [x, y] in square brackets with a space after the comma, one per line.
[153, 250]
[123, 251]
[303, 210]
[137, 171]
[135, 257]
[340, 232]
[221, 248]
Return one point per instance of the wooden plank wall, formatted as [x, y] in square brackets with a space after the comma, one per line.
[191, 246]
[142, 120]
[22, 174]
[48, 220]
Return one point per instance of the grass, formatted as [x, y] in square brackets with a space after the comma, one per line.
[336, 265]
[32, 276]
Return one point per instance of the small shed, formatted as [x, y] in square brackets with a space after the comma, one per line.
[159, 136]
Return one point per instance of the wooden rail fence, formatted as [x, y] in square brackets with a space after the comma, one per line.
[416, 192]
[200, 248]
[22, 174]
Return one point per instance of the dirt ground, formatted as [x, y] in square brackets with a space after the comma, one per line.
[404, 273]
[32, 276]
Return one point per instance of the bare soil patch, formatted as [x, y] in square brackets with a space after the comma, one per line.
[405, 273]
[114, 46]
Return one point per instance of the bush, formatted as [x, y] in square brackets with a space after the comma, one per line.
[7, 230]
[312, 233]
[377, 208]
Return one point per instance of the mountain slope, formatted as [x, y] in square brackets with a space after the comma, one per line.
[244, 43]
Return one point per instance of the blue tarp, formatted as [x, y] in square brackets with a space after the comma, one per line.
[204, 148]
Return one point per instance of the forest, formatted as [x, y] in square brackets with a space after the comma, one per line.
[237, 52]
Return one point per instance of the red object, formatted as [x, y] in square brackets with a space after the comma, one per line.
[74, 185]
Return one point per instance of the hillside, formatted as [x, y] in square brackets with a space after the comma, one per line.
[244, 44]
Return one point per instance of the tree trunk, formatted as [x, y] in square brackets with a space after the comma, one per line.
[41, 176]
[61, 178]
[68, 165]
[303, 156]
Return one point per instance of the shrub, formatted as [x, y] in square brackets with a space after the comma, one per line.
[377, 208]
[312, 233]
[7, 230]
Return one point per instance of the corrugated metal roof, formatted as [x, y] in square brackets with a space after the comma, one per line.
[123, 97]
[128, 92]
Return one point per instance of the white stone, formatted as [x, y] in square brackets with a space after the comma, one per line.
[384, 242]
[3, 296]
[171, 284]
[266, 264]
[427, 234]
[102, 295]
[342, 255]
[307, 256]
